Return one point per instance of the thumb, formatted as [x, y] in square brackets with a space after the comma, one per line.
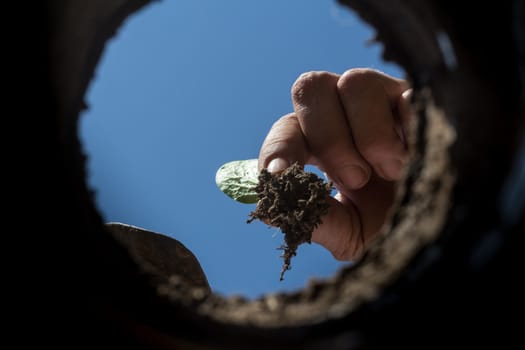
[353, 222]
[340, 231]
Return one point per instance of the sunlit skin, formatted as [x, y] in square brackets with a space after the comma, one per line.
[352, 127]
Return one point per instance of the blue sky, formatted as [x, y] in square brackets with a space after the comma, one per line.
[186, 86]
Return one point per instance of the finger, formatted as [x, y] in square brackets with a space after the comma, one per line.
[340, 231]
[326, 130]
[283, 145]
[352, 223]
[370, 99]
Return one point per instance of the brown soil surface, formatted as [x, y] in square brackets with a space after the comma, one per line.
[294, 201]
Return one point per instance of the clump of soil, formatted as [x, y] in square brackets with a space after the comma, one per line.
[294, 201]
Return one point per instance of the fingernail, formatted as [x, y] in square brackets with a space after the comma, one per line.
[353, 177]
[391, 170]
[278, 165]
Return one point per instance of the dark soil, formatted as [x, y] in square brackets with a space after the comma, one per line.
[294, 201]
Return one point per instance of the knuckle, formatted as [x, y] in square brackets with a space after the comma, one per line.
[356, 78]
[285, 128]
[308, 83]
[286, 121]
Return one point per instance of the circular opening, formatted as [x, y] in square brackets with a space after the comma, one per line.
[186, 87]
[112, 295]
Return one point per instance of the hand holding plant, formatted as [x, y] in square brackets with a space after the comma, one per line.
[353, 127]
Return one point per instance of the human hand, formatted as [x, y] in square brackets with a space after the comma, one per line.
[352, 127]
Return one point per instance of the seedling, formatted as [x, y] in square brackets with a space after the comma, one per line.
[238, 180]
[293, 200]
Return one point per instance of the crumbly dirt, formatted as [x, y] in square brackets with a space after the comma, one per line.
[294, 201]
